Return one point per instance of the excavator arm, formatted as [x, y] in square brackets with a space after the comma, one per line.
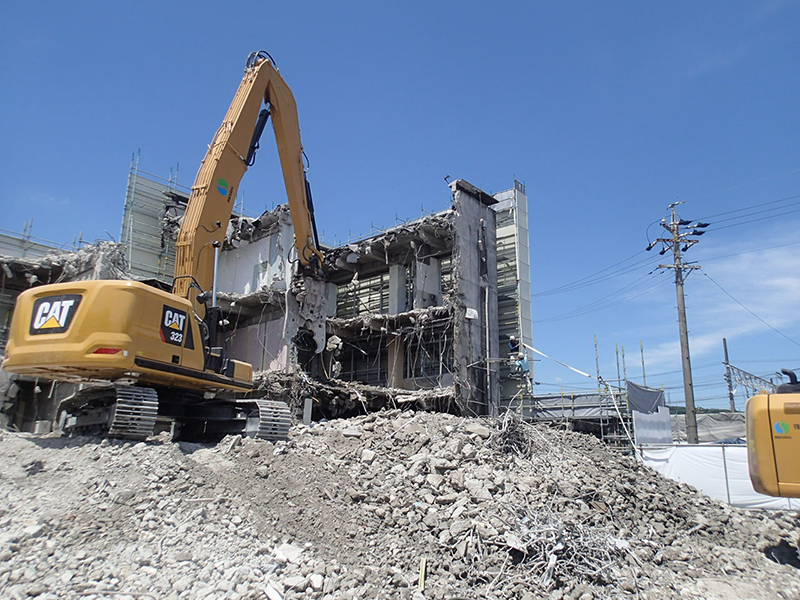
[229, 155]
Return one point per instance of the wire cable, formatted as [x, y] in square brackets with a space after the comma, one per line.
[756, 220]
[747, 309]
[750, 251]
[578, 283]
[602, 303]
[730, 212]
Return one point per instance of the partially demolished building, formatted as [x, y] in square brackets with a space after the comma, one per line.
[419, 313]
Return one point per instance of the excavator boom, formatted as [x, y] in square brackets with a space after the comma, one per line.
[154, 355]
[229, 155]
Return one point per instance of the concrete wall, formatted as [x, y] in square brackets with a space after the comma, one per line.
[262, 345]
[475, 270]
[253, 266]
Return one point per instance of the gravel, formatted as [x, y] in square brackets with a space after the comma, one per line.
[388, 505]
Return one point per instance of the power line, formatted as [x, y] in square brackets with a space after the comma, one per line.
[730, 212]
[599, 304]
[758, 212]
[592, 279]
[755, 220]
[767, 360]
[748, 310]
[751, 251]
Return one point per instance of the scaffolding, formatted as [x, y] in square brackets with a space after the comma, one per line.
[603, 413]
[513, 279]
[150, 203]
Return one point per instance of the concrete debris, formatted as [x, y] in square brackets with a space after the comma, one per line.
[529, 512]
[240, 230]
[392, 245]
[334, 398]
[288, 553]
[103, 260]
[415, 319]
[242, 303]
[245, 229]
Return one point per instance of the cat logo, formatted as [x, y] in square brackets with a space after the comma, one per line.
[53, 314]
[173, 324]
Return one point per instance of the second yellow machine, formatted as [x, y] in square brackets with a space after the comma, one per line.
[773, 439]
[148, 353]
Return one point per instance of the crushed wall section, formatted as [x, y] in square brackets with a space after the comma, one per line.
[475, 293]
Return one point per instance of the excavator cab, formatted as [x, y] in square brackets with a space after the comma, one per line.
[773, 439]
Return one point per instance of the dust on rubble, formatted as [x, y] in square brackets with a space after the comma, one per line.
[388, 505]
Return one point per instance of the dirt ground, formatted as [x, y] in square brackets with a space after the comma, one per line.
[389, 505]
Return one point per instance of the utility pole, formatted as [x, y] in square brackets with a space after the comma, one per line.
[728, 376]
[597, 367]
[673, 243]
[644, 375]
[624, 368]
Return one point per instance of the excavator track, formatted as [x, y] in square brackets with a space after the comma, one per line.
[134, 413]
[119, 411]
[274, 420]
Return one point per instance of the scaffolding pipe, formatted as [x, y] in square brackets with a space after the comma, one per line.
[216, 273]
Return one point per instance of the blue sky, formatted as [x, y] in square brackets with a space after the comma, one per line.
[607, 112]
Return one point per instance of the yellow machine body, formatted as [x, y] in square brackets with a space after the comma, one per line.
[166, 351]
[112, 330]
[773, 444]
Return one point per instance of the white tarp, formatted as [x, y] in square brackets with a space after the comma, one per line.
[711, 427]
[719, 471]
[653, 428]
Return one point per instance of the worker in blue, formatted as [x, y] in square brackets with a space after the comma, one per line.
[513, 344]
[524, 370]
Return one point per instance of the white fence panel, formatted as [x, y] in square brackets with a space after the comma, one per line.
[720, 471]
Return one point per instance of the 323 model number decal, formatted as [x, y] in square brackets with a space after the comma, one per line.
[173, 325]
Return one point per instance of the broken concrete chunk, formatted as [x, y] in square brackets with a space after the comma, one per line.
[295, 582]
[234, 442]
[468, 451]
[272, 593]
[316, 581]
[446, 498]
[288, 552]
[477, 489]
[367, 456]
[434, 480]
[34, 531]
[460, 526]
[478, 429]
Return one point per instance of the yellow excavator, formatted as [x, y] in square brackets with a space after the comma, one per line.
[773, 439]
[147, 354]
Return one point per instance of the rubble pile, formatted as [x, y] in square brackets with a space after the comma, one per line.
[397, 504]
[335, 398]
[101, 260]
